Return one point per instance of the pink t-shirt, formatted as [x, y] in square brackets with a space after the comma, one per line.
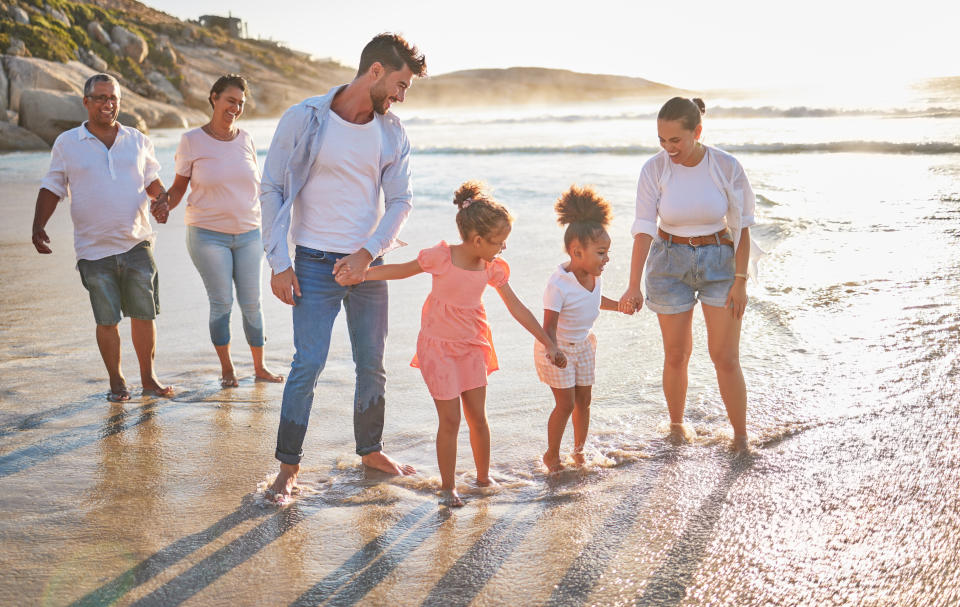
[224, 182]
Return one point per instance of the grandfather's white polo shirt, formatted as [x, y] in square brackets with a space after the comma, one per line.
[109, 203]
[578, 307]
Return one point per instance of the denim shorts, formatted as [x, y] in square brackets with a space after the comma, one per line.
[677, 275]
[126, 283]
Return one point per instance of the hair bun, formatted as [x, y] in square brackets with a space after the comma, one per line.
[468, 191]
[582, 204]
[700, 104]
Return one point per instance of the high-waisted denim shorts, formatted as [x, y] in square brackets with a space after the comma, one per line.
[677, 275]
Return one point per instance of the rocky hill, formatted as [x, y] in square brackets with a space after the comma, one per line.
[166, 67]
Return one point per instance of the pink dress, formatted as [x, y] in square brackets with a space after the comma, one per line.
[455, 348]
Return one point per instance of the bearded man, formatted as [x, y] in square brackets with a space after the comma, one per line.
[328, 162]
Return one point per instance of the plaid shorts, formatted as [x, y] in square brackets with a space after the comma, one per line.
[581, 361]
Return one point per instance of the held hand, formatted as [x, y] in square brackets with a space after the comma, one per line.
[631, 301]
[160, 207]
[351, 269]
[345, 278]
[737, 298]
[285, 285]
[40, 240]
[556, 356]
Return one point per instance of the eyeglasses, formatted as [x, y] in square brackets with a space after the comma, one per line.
[103, 98]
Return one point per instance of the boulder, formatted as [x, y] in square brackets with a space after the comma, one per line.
[58, 15]
[4, 92]
[92, 60]
[29, 73]
[166, 49]
[16, 139]
[128, 118]
[130, 44]
[19, 15]
[195, 87]
[49, 113]
[171, 120]
[170, 55]
[17, 48]
[96, 31]
[160, 82]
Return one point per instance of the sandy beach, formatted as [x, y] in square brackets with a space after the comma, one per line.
[847, 498]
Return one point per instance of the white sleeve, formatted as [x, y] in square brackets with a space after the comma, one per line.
[648, 197]
[552, 297]
[151, 166]
[56, 178]
[742, 185]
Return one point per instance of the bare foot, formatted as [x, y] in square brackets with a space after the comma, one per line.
[229, 381]
[152, 387]
[378, 460]
[450, 498]
[552, 462]
[679, 434]
[285, 485]
[486, 482]
[578, 457]
[739, 444]
[119, 393]
[265, 374]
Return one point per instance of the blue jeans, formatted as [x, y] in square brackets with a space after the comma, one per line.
[313, 316]
[222, 260]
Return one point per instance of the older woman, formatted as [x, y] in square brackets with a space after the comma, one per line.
[219, 162]
[691, 235]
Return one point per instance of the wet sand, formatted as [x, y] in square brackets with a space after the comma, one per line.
[849, 496]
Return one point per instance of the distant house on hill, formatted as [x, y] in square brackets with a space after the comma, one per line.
[232, 25]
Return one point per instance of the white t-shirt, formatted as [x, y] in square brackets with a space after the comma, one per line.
[339, 207]
[224, 182]
[692, 204]
[109, 203]
[578, 307]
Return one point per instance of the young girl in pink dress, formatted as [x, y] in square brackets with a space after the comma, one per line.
[455, 349]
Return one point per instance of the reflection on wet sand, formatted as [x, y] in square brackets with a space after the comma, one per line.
[848, 498]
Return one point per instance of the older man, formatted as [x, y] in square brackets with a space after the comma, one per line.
[330, 159]
[110, 174]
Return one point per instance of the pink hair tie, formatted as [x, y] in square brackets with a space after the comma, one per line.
[466, 203]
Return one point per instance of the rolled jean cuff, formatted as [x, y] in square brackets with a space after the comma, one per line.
[365, 450]
[287, 458]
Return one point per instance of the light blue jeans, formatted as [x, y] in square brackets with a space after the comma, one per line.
[313, 316]
[222, 260]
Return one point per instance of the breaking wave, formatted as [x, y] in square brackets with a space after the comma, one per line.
[862, 147]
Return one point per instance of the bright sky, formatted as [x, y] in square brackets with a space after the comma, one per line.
[691, 44]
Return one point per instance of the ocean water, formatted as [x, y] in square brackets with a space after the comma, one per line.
[849, 350]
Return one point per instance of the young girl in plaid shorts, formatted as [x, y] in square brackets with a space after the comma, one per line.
[571, 303]
[455, 348]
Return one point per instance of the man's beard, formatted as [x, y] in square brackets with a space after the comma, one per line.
[378, 97]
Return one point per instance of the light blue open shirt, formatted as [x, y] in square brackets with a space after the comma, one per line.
[290, 159]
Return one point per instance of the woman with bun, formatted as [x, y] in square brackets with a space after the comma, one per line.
[219, 162]
[691, 235]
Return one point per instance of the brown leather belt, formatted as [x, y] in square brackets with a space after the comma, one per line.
[697, 241]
